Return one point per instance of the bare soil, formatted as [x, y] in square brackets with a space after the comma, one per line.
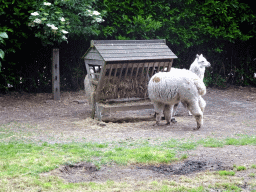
[229, 113]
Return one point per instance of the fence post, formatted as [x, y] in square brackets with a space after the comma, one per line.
[55, 74]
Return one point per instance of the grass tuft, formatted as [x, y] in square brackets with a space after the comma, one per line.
[253, 166]
[224, 172]
[252, 175]
[240, 168]
[184, 156]
[211, 142]
[244, 140]
[228, 186]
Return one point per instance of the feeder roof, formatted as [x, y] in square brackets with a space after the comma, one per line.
[127, 50]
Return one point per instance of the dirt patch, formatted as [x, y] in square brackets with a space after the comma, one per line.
[229, 113]
[199, 160]
[187, 167]
[86, 172]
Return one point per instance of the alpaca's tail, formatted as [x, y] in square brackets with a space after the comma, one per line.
[200, 86]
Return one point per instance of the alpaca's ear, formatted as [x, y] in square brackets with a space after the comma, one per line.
[197, 56]
[201, 55]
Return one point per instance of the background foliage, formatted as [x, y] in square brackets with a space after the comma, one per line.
[3, 35]
[223, 31]
[27, 62]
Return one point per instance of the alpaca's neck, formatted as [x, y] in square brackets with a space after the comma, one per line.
[195, 68]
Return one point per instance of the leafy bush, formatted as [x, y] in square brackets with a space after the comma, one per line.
[24, 67]
[52, 21]
[216, 29]
[3, 35]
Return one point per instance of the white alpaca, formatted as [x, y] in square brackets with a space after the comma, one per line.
[169, 88]
[89, 90]
[197, 67]
[94, 70]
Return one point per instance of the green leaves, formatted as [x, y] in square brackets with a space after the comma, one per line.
[1, 53]
[76, 17]
[3, 35]
[177, 20]
[225, 19]
[189, 26]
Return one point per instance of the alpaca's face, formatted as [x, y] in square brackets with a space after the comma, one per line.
[203, 62]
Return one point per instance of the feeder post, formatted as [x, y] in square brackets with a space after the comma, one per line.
[55, 74]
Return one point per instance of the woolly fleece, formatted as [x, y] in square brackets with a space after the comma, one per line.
[168, 88]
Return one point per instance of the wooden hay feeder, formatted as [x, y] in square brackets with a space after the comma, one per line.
[118, 72]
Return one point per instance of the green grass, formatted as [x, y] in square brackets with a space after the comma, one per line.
[22, 161]
[228, 187]
[240, 140]
[240, 168]
[211, 142]
[243, 140]
[144, 154]
[24, 158]
[166, 188]
[253, 166]
[30, 158]
[224, 172]
[5, 132]
[180, 145]
[184, 156]
[14, 132]
[252, 175]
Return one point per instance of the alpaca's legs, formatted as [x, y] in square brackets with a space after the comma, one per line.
[175, 109]
[168, 111]
[159, 107]
[197, 112]
[186, 107]
[202, 103]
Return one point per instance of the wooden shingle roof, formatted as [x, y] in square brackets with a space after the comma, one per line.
[129, 50]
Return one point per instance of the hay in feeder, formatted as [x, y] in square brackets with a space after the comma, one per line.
[115, 87]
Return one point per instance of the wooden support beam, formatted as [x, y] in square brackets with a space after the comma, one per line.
[55, 74]
[102, 110]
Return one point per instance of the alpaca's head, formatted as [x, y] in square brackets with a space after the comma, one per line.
[201, 60]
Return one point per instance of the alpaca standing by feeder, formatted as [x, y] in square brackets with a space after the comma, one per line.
[169, 88]
[197, 67]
